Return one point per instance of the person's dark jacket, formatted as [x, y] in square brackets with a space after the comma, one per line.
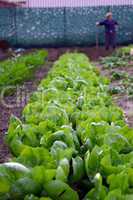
[110, 25]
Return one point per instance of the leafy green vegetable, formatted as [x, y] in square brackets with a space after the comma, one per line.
[60, 191]
[63, 170]
[78, 169]
[15, 71]
[99, 192]
[36, 156]
[72, 142]
[24, 186]
[120, 58]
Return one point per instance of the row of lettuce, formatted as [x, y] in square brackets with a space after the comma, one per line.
[122, 57]
[72, 142]
[18, 69]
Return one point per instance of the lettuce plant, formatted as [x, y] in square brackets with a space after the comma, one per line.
[73, 141]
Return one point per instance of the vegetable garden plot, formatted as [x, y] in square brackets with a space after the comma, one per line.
[73, 142]
[12, 87]
[119, 67]
[120, 58]
[17, 70]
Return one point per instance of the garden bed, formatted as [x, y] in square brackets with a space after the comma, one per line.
[53, 54]
[30, 86]
[122, 99]
[119, 68]
[78, 124]
[38, 72]
[71, 143]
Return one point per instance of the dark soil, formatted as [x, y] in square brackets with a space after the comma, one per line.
[94, 53]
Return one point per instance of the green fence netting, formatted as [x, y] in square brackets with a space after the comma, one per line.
[62, 26]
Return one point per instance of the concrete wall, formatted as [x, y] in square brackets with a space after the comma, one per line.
[62, 26]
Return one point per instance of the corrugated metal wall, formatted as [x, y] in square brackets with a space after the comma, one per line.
[75, 3]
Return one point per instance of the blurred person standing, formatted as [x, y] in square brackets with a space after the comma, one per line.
[110, 30]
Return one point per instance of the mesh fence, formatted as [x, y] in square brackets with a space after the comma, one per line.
[63, 22]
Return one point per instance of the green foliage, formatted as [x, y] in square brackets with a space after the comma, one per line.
[119, 75]
[15, 71]
[59, 190]
[122, 57]
[73, 141]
